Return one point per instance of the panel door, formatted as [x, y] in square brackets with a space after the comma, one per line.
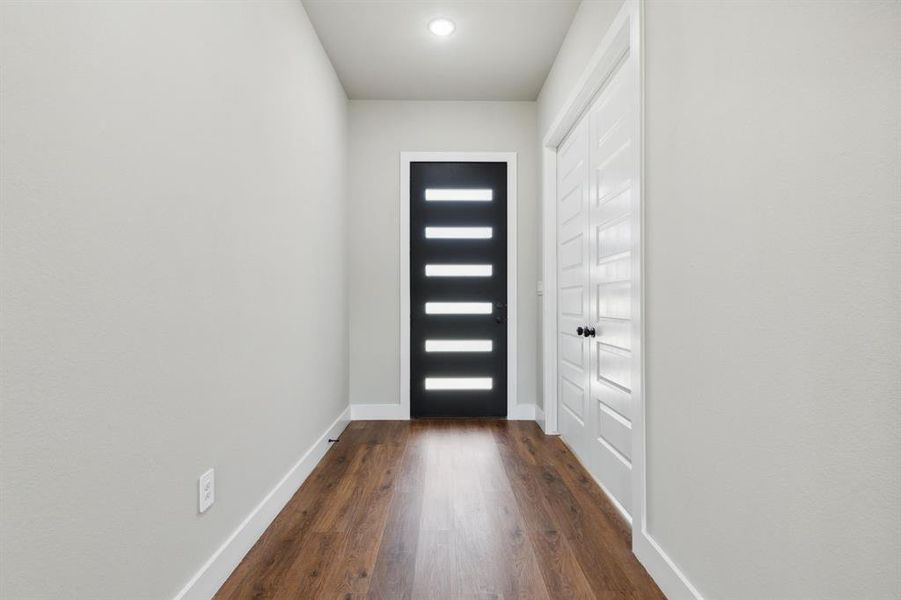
[572, 290]
[458, 289]
[597, 229]
[612, 232]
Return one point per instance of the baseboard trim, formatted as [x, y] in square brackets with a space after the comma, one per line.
[522, 412]
[378, 412]
[666, 574]
[207, 581]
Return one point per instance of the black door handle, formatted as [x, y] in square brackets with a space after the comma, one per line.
[579, 330]
[590, 332]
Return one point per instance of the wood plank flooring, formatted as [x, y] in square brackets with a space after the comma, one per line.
[444, 509]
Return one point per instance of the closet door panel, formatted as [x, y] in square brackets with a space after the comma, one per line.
[573, 289]
[611, 224]
[596, 261]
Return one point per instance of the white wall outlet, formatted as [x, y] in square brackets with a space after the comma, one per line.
[207, 489]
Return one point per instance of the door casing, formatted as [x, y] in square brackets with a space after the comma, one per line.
[515, 411]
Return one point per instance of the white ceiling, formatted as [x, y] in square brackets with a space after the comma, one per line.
[501, 49]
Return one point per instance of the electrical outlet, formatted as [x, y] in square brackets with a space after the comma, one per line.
[207, 489]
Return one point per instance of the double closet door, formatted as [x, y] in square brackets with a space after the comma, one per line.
[597, 227]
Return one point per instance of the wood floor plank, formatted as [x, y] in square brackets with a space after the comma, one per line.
[475, 571]
[561, 571]
[444, 509]
[392, 578]
[435, 567]
[360, 542]
[609, 525]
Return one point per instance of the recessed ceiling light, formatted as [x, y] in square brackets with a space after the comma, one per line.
[441, 27]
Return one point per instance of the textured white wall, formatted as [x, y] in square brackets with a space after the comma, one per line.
[173, 281]
[379, 132]
[773, 214]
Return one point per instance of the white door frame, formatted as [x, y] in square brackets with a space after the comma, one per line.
[513, 410]
[623, 39]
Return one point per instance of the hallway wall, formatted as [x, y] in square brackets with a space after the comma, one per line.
[379, 131]
[173, 281]
[773, 306]
[773, 260]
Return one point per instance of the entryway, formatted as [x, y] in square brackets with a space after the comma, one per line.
[458, 295]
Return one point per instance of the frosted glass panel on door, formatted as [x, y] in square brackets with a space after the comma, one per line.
[458, 195]
[458, 270]
[458, 308]
[458, 233]
[458, 383]
[458, 345]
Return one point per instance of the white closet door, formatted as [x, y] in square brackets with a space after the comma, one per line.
[597, 230]
[572, 288]
[612, 225]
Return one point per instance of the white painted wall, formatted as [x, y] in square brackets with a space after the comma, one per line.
[173, 281]
[379, 132]
[773, 215]
[773, 232]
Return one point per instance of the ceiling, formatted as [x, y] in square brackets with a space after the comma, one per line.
[501, 49]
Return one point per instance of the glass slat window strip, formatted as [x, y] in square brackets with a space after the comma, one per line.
[459, 383]
[458, 270]
[458, 308]
[458, 233]
[458, 346]
[458, 195]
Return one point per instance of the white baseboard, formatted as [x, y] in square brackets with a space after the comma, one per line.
[207, 581]
[665, 573]
[378, 412]
[522, 412]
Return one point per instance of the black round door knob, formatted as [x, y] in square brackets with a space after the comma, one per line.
[590, 331]
[579, 330]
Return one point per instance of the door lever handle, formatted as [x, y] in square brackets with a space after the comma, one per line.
[590, 332]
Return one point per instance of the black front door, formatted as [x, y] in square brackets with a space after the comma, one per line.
[458, 289]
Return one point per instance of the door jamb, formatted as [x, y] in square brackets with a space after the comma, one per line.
[513, 412]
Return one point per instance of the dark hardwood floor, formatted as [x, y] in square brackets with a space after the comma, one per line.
[445, 509]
